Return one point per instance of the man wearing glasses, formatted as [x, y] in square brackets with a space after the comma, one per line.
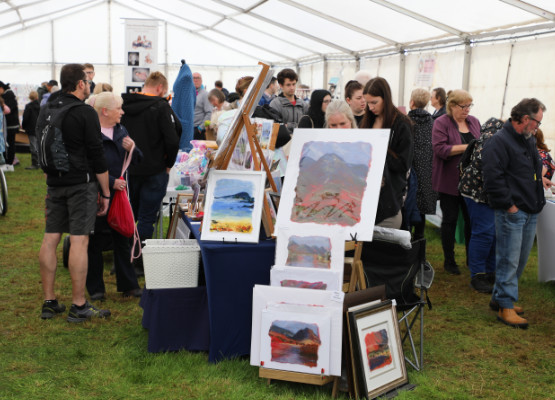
[512, 171]
[73, 197]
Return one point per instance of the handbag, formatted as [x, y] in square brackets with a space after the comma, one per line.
[120, 216]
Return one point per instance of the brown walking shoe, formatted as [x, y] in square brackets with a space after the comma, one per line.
[509, 317]
[495, 307]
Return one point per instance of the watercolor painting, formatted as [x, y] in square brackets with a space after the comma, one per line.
[309, 251]
[306, 278]
[296, 337]
[295, 342]
[233, 205]
[377, 349]
[331, 182]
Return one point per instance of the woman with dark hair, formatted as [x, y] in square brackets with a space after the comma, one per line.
[382, 114]
[315, 117]
[355, 99]
[547, 161]
[451, 134]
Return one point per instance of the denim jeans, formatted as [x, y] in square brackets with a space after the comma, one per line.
[515, 238]
[481, 247]
[450, 206]
[146, 194]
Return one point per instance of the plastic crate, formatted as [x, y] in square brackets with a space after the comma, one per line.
[171, 263]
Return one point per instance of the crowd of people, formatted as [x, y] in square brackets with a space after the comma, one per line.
[494, 174]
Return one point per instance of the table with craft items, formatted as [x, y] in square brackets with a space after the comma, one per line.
[545, 232]
[231, 270]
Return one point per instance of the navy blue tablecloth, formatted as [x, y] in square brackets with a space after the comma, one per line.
[176, 319]
[232, 270]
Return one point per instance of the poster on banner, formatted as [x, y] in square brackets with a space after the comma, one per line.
[141, 52]
[426, 69]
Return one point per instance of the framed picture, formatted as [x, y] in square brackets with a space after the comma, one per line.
[295, 341]
[307, 278]
[333, 181]
[233, 206]
[269, 214]
[307, 247]
[376, 348]
[294, 300]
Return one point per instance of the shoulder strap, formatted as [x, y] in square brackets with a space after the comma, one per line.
[127, 159]
[60, 113]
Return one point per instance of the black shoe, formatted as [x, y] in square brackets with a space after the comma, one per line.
[100, 296]
[481, 284]
[32, 167]
[51, 309]
[89, 311]
[451, 269]
[491, 277]
[133, 293]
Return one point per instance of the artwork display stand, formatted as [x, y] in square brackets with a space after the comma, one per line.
[299, 377]
[224, 155]
[354, 270]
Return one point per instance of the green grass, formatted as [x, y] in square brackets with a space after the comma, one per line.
[468, 354]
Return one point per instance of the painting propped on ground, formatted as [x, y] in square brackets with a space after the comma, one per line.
[331, 182]
[309, 251]
[233, 206]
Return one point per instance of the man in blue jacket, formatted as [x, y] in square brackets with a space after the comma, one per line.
[512, 171]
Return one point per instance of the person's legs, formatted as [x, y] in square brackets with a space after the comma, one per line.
[152, 192]
[10, 145]
[509, 235]
[467, 226]
[482, 221]
[450, 213]
[126, 279]
[95, 270]
[48, 263]
[33, 148]
[528, 235]
[78, 264]
[420, 227]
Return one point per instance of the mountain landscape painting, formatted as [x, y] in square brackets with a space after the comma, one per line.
[309, 251]
[294, 342]
[232, 207]
[377, 349]
[303, 284]
[331, 182]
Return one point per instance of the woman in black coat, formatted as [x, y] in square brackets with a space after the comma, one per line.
[315, 117]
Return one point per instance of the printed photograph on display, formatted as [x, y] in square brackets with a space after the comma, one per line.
[307, 278]
[133, 89]
[133, 58]
[333, 180]
[139, 74]
[378, 352]
[298, 342]
[233, 206]
[308, 247]
[316, 304]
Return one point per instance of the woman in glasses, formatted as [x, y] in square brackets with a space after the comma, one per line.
[451, 135]
[315, 117]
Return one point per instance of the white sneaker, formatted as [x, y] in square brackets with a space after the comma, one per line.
[6, 168]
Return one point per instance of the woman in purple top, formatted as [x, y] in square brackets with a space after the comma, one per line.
[450, 136]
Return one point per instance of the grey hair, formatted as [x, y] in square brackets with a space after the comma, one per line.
[340, 107]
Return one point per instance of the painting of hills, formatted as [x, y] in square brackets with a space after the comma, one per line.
[377, 349]
[331, 182]
[294, 342]
[232, 207]
[303, 284]
[309, 251]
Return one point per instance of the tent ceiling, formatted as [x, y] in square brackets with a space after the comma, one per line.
[286, 31]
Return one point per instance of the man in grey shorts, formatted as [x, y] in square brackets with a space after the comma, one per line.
[74, 198]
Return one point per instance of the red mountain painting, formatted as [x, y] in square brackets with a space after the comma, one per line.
[331, 182]
[377, 349]
[294, 342]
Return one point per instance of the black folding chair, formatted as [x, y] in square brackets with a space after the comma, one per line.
[395, 267]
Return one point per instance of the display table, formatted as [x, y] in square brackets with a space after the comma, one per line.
[176, 319]
[231, 271]
[545, 232]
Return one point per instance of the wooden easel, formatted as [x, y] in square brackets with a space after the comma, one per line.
[223, 157]
[354, 270]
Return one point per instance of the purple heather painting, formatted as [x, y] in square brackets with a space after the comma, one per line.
[331, 182]
[294, 342]
[309, 251]
[304, 284]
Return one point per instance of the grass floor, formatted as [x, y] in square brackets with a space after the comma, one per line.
[468, 354]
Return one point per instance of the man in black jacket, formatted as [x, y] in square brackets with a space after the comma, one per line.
[28, 124]
[12, 120]
[73, 199]
[512, 171]
[156, 130]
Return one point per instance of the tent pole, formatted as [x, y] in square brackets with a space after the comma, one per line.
[466, 67]
[402, 65]
[53, 63]
[166, 47]
[325, 75]
[506, 81]
[110, 39]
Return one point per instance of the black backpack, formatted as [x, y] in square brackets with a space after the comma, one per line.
[53, 156]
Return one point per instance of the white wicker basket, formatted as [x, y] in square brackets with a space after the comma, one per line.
[171, 263]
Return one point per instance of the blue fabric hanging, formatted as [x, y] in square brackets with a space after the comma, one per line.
[185, 97]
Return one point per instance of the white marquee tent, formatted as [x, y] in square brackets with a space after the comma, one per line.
[499, 50]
